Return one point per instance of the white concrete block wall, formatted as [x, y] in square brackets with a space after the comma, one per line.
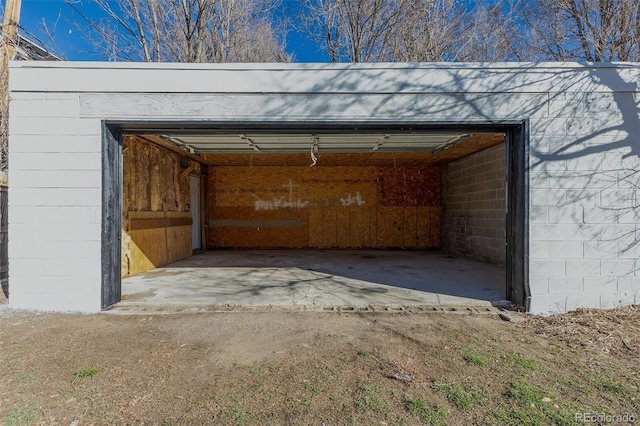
[584, 227]
[473, 206]
[54, 204]
[584, 145]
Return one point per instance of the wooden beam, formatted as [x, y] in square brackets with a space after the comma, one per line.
[184, 173]
[138, 224]
[159, 141]
[10, 26]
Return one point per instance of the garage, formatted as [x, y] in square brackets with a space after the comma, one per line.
[331, 216]
[127, 170]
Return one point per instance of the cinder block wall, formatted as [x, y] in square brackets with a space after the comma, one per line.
[583, 159]
[584, 219]
[473, 206]
[55, 204]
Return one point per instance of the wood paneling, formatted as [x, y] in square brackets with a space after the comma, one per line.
[329, 228]
[426, 236]
[410, 227]
[150, 244]
[390, 226]
[156, 221]
[356, 226]
[138, 224]
[323, 207]
[243, 226]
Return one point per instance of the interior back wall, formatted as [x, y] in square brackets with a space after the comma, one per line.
[323, 207]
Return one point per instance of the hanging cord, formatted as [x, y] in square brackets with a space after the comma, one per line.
[314, 146]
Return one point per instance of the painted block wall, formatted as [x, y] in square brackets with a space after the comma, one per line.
[55, 204]
[474, 206]
[583, 170]
[324, 207]
[585, 201]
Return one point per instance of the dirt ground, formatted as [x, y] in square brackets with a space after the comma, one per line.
[318, 368]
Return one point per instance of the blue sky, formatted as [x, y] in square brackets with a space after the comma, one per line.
[71, 42]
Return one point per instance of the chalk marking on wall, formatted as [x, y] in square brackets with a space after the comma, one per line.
[350, 200]
[277, 203]
[291, 185]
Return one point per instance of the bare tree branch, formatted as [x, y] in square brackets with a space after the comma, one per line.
[585, 30]
[186, 30]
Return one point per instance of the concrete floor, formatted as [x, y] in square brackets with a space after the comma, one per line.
[320, 278]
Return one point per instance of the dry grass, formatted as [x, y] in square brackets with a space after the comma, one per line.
[613, 331]
[309, 368]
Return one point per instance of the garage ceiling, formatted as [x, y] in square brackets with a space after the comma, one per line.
[327, 142]
[334, 149]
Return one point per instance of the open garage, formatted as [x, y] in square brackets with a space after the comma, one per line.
[340, 190]
[379, 179]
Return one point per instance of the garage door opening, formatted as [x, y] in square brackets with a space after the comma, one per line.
[316, 216]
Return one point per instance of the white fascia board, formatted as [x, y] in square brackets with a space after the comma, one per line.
[387, 78]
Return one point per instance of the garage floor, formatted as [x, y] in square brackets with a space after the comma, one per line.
[320, 278]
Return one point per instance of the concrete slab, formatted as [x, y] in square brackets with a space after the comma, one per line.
[320, 278]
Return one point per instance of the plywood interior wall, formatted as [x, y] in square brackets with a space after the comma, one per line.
[156, 221]
[324, 207]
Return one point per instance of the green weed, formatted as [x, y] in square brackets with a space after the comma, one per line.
[371, 400]
[522, 362]
[431, 414]
[461, 398]
[84, 372]
[472, 357]
[234, 414]
[527, 407]
[24, 416]
[364, 353]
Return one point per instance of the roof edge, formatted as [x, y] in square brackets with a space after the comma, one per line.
[298, 66]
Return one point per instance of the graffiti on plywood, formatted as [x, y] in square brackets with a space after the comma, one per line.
[278, 203]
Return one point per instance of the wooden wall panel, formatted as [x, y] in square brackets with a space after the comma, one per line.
[329, 228]
[435, 232]
[390, 226]
[356, 227]
[409, 186]
[366, 227]
[146, 251]
[243, 227]
[428, 235]
[151, 247]
[155, 189]
[342, 227]
[316, 227]
[423, 233]
[373, 227]
[322, 207]
[410, 227]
